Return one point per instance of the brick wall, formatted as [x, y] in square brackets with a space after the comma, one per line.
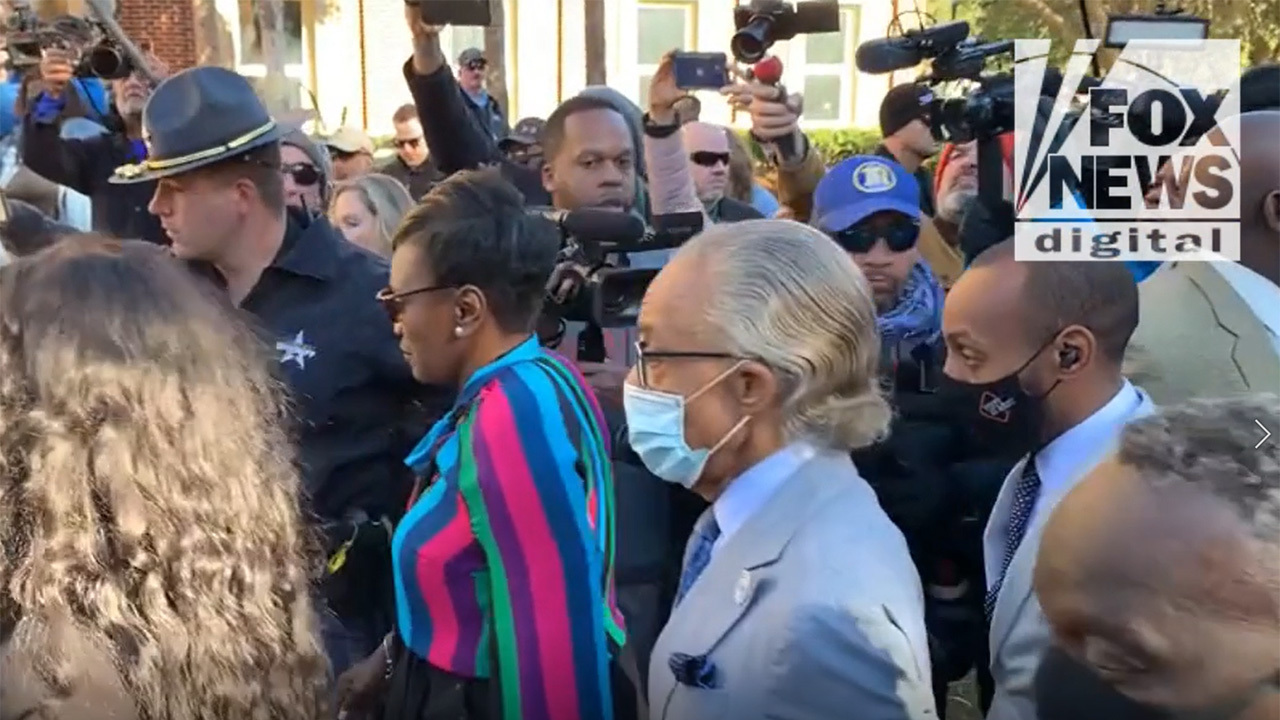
[169, 25]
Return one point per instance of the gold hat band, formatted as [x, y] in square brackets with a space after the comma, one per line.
[136, 169]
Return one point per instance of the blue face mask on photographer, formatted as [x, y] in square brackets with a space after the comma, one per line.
[655, 429]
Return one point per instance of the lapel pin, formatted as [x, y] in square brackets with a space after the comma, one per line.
[742, 591]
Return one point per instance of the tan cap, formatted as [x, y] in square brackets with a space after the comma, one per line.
[350, 140]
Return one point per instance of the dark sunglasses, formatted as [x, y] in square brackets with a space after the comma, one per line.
[709, 159]
[898, 235]
[407, 142]
[393, 302]
[303, 174]
[477, 65]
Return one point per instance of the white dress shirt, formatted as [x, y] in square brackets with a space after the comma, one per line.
[1058, 465]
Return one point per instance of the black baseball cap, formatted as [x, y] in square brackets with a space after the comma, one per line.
[526, 132]
[903, 104]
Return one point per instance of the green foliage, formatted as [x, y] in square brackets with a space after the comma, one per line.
[1252, 21]
[836, 145]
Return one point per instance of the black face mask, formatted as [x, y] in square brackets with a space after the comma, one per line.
[1001, 414]
[1069, 690]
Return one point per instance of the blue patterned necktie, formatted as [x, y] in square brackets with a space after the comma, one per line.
[1024, 501]
[704, 538]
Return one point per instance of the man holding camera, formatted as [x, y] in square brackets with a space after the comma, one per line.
[85, 164]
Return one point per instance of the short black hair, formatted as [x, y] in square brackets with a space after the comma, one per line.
[553, 133]
[474, 230]
[1101, 296]
[1260, 88]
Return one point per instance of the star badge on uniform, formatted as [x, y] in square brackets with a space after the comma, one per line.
[296, 350]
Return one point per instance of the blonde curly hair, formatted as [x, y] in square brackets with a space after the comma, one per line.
[147, 493]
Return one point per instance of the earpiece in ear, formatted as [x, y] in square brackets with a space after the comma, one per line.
[1068, 358]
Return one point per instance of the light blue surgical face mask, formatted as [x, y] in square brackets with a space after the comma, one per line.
[655, 428]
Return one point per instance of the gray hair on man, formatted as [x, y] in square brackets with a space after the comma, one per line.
[1212, 446]
[787, 296]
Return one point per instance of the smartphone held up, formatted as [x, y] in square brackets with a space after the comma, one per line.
[463, 13]
[700, 70]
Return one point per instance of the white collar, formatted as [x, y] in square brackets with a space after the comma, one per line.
[1058, 462]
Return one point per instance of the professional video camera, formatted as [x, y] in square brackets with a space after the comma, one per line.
[99, 44]
[761, 23]
[594, 280]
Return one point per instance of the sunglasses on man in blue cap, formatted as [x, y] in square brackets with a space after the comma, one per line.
[865, 199]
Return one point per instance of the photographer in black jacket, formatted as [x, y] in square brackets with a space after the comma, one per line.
[85, 164]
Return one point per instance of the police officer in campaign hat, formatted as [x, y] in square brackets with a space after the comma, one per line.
[214, 154]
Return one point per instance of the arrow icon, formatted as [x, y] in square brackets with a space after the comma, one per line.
[1264, 437]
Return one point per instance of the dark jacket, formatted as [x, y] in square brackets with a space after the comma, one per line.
[84, 166]
[728, 210]
[357, 407]
[417, 180]
[455, 138]
[489, 116]
[923, 176]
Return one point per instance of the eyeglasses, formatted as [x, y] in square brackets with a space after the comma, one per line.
[393, 302]
[407, 142]
[898, 235]
[476, 65]
[709, 159]
[304, 174]
[643, 355]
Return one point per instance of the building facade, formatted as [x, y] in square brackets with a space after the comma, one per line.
[344, 58]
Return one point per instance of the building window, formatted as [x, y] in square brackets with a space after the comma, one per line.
[294, 46]
[660, 28]
[291, 36]
[829, 75]
[457, 39]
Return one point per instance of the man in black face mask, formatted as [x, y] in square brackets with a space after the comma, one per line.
[1033, 366]
[1160, 573]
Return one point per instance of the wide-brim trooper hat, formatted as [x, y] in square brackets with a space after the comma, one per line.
[197, 117]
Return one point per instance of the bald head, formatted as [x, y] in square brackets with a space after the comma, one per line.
[1260, 192]
[707, 146]
[1101, 296]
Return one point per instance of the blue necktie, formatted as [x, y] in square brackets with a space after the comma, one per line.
[704, 538]
[1024, 501]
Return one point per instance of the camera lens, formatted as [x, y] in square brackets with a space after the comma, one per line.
[751, 42]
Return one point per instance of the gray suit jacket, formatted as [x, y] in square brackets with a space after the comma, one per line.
[1019, 633]
[1197, 337]
[811, 611]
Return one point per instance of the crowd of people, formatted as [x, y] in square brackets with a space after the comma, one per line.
[290, 432]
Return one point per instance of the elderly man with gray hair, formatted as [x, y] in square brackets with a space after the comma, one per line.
[1160, 572]
[756, 377]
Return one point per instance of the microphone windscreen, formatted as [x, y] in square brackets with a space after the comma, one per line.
[610, 226]
[886, 55]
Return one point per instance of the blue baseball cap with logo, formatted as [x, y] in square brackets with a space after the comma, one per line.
[861, 186]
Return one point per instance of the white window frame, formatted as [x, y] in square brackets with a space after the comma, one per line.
[300, 73]
[629, 40]
[794, 57]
